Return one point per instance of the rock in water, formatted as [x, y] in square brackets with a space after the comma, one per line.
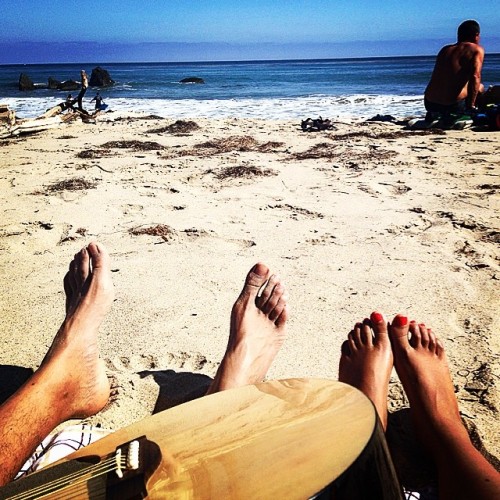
[192, 79]
[100, 78]
[25, 82]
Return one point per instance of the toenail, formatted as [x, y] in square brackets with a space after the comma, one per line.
[400, 321]
[376, 317]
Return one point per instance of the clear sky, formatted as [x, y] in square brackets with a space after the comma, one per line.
[194, 30]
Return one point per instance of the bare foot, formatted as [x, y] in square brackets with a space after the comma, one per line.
[422, 367]
[366, 362]
[73, 361]
[257, 331]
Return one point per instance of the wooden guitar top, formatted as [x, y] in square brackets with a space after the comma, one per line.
[281, 439]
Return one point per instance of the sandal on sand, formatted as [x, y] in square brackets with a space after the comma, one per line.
[311, 125]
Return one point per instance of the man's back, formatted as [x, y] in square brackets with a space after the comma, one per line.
[457, 74]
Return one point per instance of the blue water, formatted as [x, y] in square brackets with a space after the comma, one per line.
[266, 89]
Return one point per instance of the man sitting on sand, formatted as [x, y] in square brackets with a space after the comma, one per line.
[71, 381]
[456, 80]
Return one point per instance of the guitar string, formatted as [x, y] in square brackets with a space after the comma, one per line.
[51, 487]
[81, 489]
[74, 476]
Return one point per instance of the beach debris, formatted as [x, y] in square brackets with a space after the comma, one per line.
[7, 116]
[192, 79]
[242, 171]
[134, 144]
[241, 144]
[90, 154]
[315, 125]
[381, 118]
[165, 232]
[180, 127]
[75, 184]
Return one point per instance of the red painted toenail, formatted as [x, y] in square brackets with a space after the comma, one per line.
[376, 317]
[400, 321]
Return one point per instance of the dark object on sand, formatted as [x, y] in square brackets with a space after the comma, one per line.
[192, 79]
[316, 125]
[100, 78]
[180, 127]
[25, 82]
[382, 118]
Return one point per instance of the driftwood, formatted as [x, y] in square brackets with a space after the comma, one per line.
[52, 118]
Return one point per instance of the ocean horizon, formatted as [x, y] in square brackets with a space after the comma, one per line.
[281, 89]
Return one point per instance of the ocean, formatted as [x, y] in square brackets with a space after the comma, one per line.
[335, 89]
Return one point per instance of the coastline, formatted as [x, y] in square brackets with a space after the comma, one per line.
[376, 218]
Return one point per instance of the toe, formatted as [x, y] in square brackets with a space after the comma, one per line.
[365, 333]
[379, 325]
[355, 336]
[424, 335]
[256, 277]
[398, 332]
[282, 318]
[432, 340]
[415, 336]
[269, 294]
[277, 308]
[98, 254]
[344, 348]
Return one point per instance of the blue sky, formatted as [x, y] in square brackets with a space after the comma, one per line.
[194, 30]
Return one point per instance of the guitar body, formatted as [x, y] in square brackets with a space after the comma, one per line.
[287, 439]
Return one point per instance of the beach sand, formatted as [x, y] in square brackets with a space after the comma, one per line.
[365, 217]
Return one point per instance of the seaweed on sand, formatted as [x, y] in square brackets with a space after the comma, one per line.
[162, 230]
[75, 184]
[135, 145]
[242, 171]
[90, 154]
[242, 144]
[180, 127]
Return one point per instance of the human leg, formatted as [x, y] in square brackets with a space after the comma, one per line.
[257, 331]
[366, 361]
[421, 364]
[71, 382]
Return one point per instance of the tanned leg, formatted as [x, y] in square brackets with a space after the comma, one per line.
[420, 361]
[71, 382]
[366, 361]
[257, 331]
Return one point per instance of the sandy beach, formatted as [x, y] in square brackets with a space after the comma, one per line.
[364, 217]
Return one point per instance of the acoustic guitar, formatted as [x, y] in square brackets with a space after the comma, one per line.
[285, 439]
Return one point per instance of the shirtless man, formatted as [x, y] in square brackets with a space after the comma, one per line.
[456, 80]
[71, 381]
[420, 360]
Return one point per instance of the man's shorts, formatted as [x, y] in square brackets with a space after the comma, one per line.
[445, 109]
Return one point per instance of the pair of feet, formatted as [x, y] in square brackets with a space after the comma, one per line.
[374, 346]
[80, 384]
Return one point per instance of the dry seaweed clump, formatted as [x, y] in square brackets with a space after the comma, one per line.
[135, 145]
[76, 184]
[241, 144]
[180, 127]
[93, 153]
[162, 230]
[321, 150]
[242, 172]
[359, 134]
